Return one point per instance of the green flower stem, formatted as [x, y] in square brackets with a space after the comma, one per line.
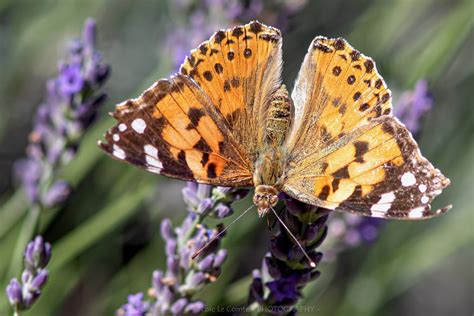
[26, 233]
[12, 211]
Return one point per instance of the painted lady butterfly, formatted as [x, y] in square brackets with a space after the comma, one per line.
[225, 119]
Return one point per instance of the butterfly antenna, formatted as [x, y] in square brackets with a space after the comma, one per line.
[311, 262]
[197, 253]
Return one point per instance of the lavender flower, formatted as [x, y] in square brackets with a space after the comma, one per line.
[276, 287]
[34, 276]
[135, 306]
[70, 107]
[172, 291]
[413, 105]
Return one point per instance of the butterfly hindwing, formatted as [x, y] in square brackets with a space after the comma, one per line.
[380, 173]
[174, 130]
[239, 69]
[346, 151]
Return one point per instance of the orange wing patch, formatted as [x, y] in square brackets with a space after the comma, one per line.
[337, 90]
[173, 129]
[239, 69]
[380, 173]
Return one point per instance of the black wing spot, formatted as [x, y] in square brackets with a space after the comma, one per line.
[211, 170]
[207, 75]
[247, 53]
[218, 68]
[342, 173]
[364, 106]
[195, 115]
[351, 79]
[323, 195]
[361, 147]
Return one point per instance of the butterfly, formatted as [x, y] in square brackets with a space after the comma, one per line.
[226, 119]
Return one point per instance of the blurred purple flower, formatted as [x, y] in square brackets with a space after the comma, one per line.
[284, 290]
[413, 105]
[23, 295]
[135, 306]
[285, 270]
[70, 106]
[70, 79]
[57, 193]
[172, 291]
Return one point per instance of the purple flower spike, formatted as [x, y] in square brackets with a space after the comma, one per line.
[413, 105]
[36, 256]
[70, 106]
[172, 291]
[285, 270]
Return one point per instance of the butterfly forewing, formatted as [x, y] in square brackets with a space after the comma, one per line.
[173, 129]
[239, 69]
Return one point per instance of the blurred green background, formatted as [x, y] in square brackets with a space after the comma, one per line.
[105, 239]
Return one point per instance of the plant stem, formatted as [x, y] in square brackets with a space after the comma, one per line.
[12, 211]
[26, 233]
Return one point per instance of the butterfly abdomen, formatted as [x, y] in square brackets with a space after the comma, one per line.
[268, 167]
[278, 117]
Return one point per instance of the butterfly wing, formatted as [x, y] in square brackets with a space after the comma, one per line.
[203, 123]
[173, 129]
[239, 69]
[346, 150]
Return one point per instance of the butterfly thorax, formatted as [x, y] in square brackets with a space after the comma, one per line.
[269, 165]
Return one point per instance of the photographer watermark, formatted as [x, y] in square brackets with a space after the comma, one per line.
[266, 309]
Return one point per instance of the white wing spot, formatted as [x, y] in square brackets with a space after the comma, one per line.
[122, 127]
[116, 137]
[151, 150]
[422, 188]
[386, 198]
[380, 207]
[118, 152]
[424, 199]
[139, 125]
[385, 202]
[151, 158]
[416, 212]
[408, 179]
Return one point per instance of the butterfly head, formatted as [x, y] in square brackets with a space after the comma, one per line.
[265, 196]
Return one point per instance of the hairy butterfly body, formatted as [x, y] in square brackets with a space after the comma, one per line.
[226, 119]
